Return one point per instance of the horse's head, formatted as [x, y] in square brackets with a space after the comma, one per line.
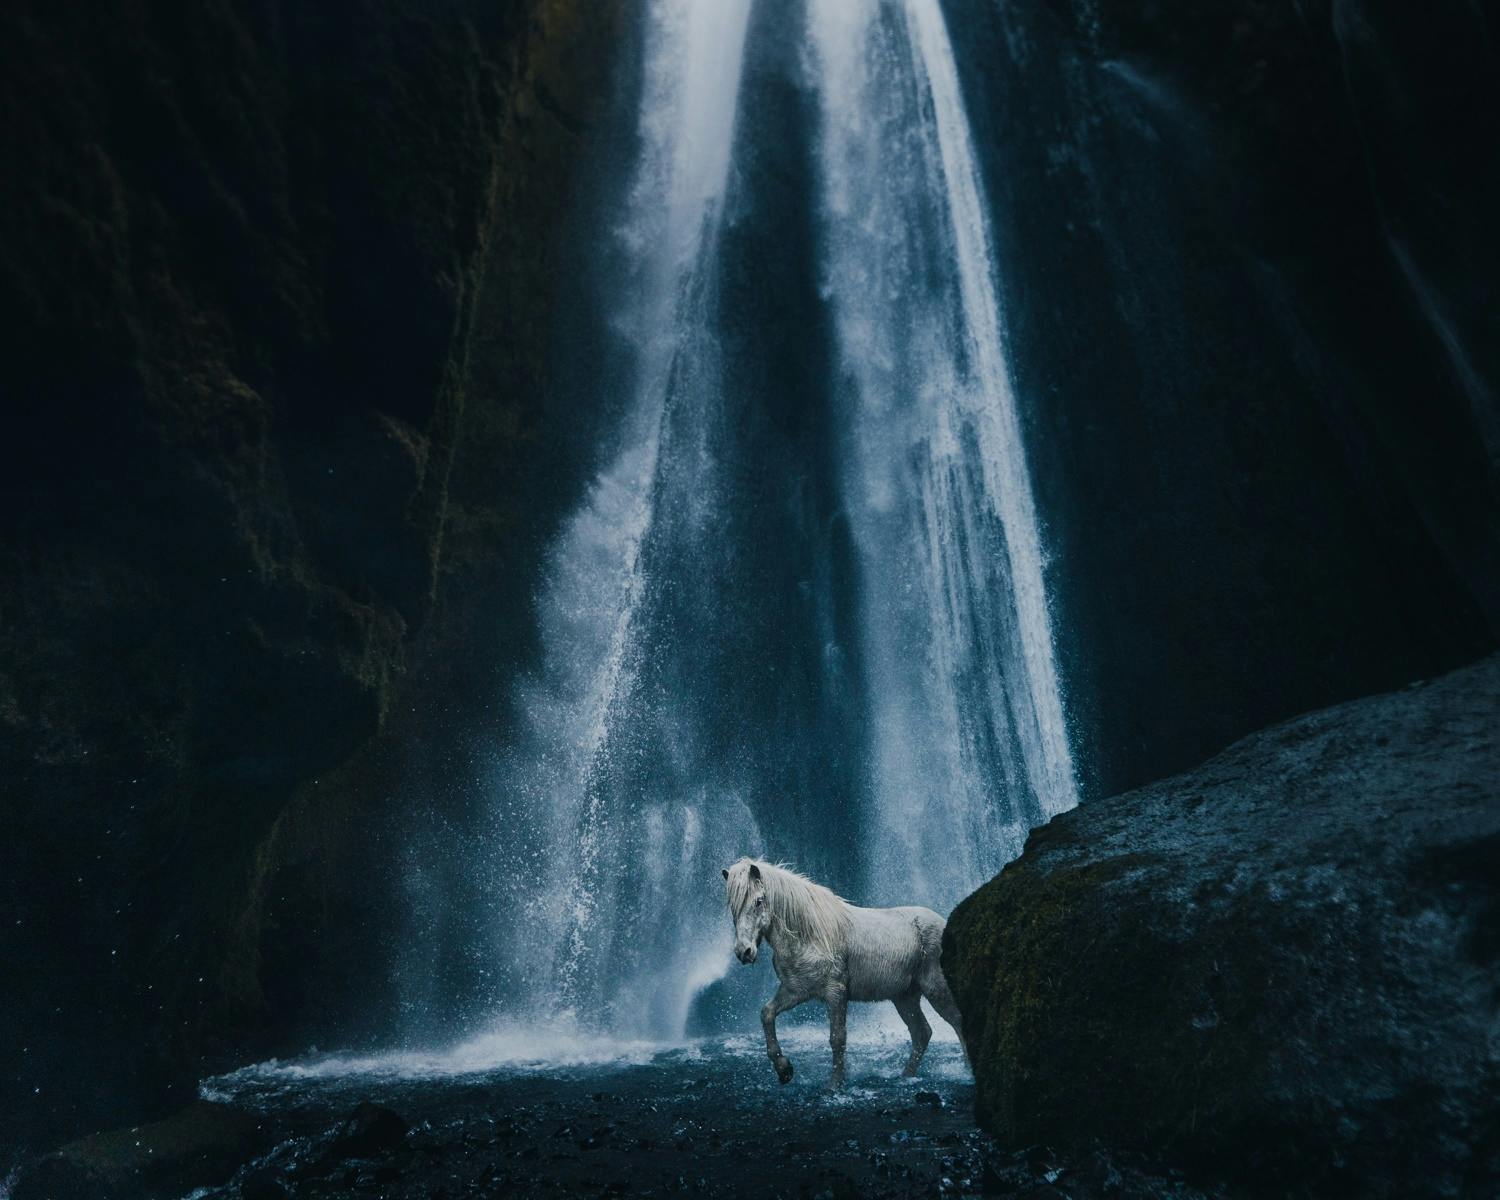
[746, 892]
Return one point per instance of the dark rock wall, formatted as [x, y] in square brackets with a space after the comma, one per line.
[274, 286]
[1280, 967]
[1250, 266]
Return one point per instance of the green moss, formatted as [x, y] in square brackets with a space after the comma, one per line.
[1085, 1010]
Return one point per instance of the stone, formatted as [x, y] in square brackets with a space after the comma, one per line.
[1283, 964]
[263, 1184]
[199, 1145]
[368, 1131]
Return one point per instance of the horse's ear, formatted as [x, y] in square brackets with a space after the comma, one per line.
[754, 871]
[725, 872]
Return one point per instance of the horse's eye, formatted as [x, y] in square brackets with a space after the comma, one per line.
[759, 900]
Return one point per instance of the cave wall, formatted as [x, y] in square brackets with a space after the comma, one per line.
[274, 287]
[1249, 263]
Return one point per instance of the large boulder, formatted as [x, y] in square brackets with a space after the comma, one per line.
[196, 1146]
[1283, 966]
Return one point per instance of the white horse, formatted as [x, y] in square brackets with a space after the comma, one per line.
[824, 948]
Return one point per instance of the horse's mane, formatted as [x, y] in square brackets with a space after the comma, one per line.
[813, 914]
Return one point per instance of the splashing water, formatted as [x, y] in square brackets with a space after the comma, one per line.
[560, 779]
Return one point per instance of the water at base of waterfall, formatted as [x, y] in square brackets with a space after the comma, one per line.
[510, 1117]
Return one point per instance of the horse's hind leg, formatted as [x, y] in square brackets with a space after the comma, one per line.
[935, 988]
[838, 1012]
[909, 1005]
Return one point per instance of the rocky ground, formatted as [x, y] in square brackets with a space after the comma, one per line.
[708, 1121]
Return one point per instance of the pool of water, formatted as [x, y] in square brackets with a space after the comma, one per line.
[551, 1112]
[537, 1112]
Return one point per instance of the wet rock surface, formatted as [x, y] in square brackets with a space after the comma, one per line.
[708, 1122]
[1283, 963]
[201, 1143]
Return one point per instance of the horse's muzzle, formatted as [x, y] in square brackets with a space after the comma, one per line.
[746, 956]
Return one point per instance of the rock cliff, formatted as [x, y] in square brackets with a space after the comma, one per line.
[1249, 267]
[274, 287]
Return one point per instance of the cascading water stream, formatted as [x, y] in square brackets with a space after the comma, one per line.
[655, 740]
[971, 747]
[558, 785]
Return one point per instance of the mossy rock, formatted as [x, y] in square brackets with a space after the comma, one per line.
[1279, 968]
[199, 1145]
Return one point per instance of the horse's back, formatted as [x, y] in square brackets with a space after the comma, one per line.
[888, 948]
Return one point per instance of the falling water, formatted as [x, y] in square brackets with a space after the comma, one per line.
[568, 833]
[655, 737]
[970, 744]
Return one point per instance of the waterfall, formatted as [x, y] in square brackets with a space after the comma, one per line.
[572, 829]
[971, 748]
[703, 691]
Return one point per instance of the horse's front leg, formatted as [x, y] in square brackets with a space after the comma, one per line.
[838, 1010]
[783, 1000]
